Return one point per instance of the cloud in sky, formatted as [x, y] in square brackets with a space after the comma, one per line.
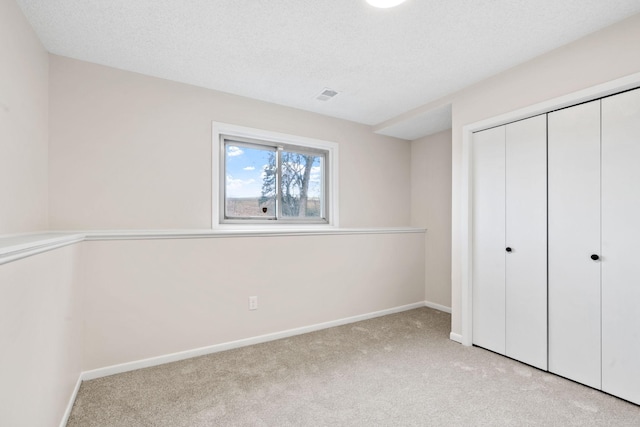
[241, 187]
[263, 174]
[316, 171]
[233, 151]
[248, 168]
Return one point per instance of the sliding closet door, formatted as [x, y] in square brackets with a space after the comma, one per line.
[526, 237]
[574, 237]
[489, 239]
[621, 245]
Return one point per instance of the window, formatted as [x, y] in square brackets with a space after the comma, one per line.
[268, 178]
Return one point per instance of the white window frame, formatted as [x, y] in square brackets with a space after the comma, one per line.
[225, 130]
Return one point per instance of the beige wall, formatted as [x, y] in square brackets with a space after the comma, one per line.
[40, 337]
[603, 56]
[132, 151]
[23, 124]
[147, 298]
[431, 209]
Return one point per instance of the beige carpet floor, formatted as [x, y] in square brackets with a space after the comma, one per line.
[397, 370]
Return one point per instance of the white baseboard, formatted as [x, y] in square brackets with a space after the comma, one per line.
[437, 307]
[455, 337]
[174, 357]
[72, 399]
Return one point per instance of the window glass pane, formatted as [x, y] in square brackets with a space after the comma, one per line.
[249, 181]
[301, 185]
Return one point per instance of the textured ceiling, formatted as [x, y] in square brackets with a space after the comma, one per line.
[383, 62]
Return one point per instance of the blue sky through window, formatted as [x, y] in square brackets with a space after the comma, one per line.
[245, 171]
[244, 168]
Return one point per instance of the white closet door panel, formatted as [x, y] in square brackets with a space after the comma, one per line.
[574, 235]
[488, 239]
[526, 235]
[621, 245]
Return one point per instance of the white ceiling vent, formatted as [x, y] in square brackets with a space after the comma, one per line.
[326, 94]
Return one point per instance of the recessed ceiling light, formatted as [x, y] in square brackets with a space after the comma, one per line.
[383, 4]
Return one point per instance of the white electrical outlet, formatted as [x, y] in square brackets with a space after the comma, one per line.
[253, 303]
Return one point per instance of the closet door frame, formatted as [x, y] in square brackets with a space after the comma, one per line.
[465, 268]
